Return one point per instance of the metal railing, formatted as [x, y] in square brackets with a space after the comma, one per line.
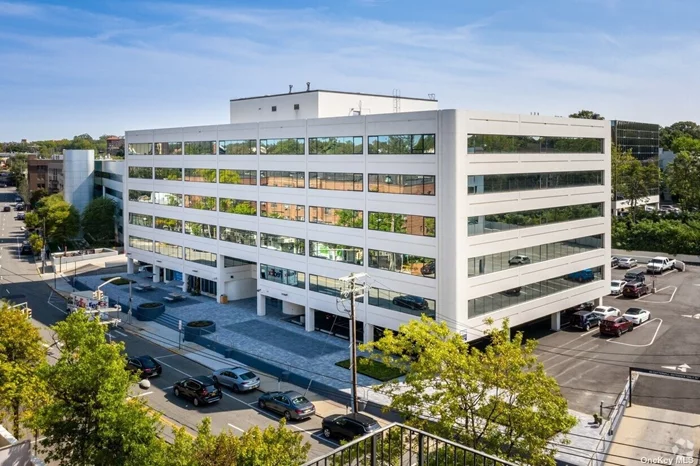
[400, 445]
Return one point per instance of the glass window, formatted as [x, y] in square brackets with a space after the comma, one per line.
[530, 218]
[140, 196]
[140, 148]
[282, 211]
[234, 235]
[247, 177]
[200, 257]
[169, 148]
[336, 145]
[402, 263]
[282, 179]
[193, 201]
[337, 217]
[284, 276]
[329, 286]
[169, 199]
[202, 175]
[402, 223]
[141, 243]
[283, 243]
[402, 184]
[233, 262]
[336, 252]
[170, 250]
[114, 193]
[503, 144]
[169, 224]
[171, 174]
[238, 206]
[401, 144]
[484, 184]
[542, 252]
[203, 230]
[494, 302]
[402, 302]
[141, 172]
[335, 181]
[141, 220]
[238, 147]
[200, 147]
[289, 146]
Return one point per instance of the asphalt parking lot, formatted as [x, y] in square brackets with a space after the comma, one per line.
[591, 368]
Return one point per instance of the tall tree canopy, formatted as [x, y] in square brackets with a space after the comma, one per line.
[586, 115]
[62, 219]
[669, 134]
[98, 221]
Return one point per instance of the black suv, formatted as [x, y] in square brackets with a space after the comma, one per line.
[200, 389]
[634, 277]
[585, 320]
[348, 426]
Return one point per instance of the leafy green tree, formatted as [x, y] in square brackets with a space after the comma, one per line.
[88, 420]
[62, 219]
[98, 221]
[586, 115]
[36, 242]
[229, 177]
[619, 161]
[21, 354]
[669, 134]
[640, 180]
[683, 179]
[36, 196]
[381, 221]
[686, 144]
[499, 400]
[349, 218]
[276, 445]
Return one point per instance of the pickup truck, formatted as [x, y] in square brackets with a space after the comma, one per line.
[660, 264]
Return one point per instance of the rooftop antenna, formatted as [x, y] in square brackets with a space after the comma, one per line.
[290, 88]
[308, 86]
[397, 100]
[431, 96]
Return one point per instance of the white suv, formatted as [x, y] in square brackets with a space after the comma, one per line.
[605, 311]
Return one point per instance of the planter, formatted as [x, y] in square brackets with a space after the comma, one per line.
[149, 311]
[198, 328]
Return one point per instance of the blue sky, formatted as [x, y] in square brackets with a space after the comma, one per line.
[109, 66]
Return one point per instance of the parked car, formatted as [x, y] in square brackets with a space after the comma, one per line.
[238, 378]
[428, 269]
[348, 426]
[615, 326]
[200, 389]
[145, 366]
[19, 207]
[585, 320]
[519, 260]
[637, 315]
[18, 199]
[20, 216]
[25, 249]
[660, 264]
[616, 286]
[626, 263]
[292, 405]
[581, 276]
[606, 311]
[7, 208]
[411, 302]
[634, 277]
[635, 290]
[614, 261]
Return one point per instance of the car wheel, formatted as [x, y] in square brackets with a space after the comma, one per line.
[261, 404]
[587, 327]
[619, 333]
[177, 393]
[327, 432]
[288, 415]
[195, 401]
[235, 388]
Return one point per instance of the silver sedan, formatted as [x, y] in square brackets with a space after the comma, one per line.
[238, 378]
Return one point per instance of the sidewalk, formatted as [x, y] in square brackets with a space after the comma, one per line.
[687, 259]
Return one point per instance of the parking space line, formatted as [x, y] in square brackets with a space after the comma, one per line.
[237, 428]
[567, 357]
[610, 340]
[139, 395]
[675, 288]
[168, 388]
[120, 333]
[573, 366]
[173, 367]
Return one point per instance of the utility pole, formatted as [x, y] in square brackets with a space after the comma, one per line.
[350, 290]
[43, 249]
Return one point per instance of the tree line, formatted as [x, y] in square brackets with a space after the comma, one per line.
[49, 147]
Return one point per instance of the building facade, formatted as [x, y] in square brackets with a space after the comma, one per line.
[642, 140]
[45, 174]
[115, 146]
[433, 205]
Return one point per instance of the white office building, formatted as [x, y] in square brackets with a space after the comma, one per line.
[456, 214]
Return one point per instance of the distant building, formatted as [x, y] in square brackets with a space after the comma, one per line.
[115, 145]
[45, 174]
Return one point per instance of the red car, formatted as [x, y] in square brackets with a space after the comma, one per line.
[616, 326]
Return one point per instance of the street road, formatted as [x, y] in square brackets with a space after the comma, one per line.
[236, 412]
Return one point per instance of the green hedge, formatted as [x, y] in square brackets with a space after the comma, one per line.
[680, 235]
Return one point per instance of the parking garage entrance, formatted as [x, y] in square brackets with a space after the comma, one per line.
[336, 325]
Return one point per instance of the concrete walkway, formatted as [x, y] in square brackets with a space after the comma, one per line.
[646, 255]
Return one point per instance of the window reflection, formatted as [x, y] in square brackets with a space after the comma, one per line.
[169, 148]
[289, 146]
[281, 179]
[336, 252]
[202, 230]
[335, 181]
[282, 211]
[167, 249]
[141, 172]
[328, 286]
[483, 184]
[140, 148]
[200, 257]
[169, 199]
[238, 206]
[401, 144]
[171, 174]
[402, 223]
[402, 263]
[169, 224]
[283, 276]
[201, 175]
[140, 196]
[141, 220]
[529, 218]
[402, 302]
[283, 243]
[200, 147]
[200, 202]
[144, 244]
[238, 147]
[503, 144]
[336, 217]
[246, 177]
[402, 184]
[336, 145]
[235, 235]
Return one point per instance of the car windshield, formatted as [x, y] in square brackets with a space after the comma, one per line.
[147, 363]
[210, 388]
[247, 375]
[299, 400]
[656, 261]
[633, 311]
[617, 282]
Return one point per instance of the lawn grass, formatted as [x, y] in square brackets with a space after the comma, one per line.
[375, 369]
[121, 281]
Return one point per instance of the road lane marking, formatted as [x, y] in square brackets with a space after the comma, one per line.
[173, 367]
[120, 333]
[237, 428]
[168, 388]
[610, 340]
[139, 395]
[169, 356]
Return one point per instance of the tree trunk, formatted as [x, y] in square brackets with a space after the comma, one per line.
[16, 411]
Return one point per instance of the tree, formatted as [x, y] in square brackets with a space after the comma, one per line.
[687, 144]
[36, 242]
[21, 354]
[683, 179]
[62, 219]
[499, 400]
[586, 115]
[88, 419]
[639, 180]
[36, 196]
[276, 445]
[681, 128]
[349, 218]
[98, 221]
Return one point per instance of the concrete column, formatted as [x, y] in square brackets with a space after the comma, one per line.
[261, 304]
[556, 321]
[129, 265]
[156, 273]
[221, 278]
[292, 309]
[369, 333]
[185, 277]
[309, 320]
